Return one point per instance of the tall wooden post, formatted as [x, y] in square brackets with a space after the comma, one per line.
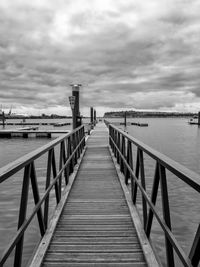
[3, 118]
[199, 118]
[75, 111]
[91, 116]
[125, 118]
[95, 117]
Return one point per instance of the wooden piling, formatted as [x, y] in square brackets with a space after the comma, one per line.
[2, 117]
[95, 117]
[91, 116]
[75, 111]
[125, 118]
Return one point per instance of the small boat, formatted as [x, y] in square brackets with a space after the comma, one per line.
[194, 120]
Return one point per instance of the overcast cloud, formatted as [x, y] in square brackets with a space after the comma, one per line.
[132, 54]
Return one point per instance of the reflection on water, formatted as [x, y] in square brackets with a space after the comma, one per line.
[173, 137]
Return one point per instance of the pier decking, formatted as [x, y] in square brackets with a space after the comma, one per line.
[95, 227]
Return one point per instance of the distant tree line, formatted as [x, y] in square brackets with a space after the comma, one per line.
[132, 114]
[43, 116]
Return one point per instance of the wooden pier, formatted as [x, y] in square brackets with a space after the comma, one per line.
[96, 226]
[96, 222]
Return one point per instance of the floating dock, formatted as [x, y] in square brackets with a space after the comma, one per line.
[29, 133]
[193, 123]
[140, 124]
[134, 123]
[59, 124]
[28, 128]
[122, 123]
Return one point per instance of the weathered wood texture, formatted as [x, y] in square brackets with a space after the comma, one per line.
[95, 227]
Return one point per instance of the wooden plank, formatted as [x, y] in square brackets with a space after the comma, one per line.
[108, 264]
[95, 247]
[94, 240]
[94, 257]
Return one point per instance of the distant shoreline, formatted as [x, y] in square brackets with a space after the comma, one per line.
[130, 114]
[39, 117]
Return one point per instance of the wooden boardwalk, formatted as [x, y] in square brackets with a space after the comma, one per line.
[95, 227]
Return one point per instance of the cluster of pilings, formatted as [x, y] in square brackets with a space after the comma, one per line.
[93, 118]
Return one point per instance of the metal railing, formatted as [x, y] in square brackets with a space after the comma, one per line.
[122, 147]
[70, 148]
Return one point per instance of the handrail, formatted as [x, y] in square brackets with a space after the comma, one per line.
[121, 144]
[70, 148]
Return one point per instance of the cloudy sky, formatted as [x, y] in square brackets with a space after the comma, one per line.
[128, 54]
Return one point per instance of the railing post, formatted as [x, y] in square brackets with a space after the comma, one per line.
[48, 179]
[110, 135]
[74, 147]
[129, 161]
[153, 199]
[166, 215]
[78, 141]
[69, 153]
[118, 145]
[115, 142]
[122, 148]
[37, 198]
[67, 169]
[83, 135]
[60, 167]
[142, 176]
[54, 176]
[64, 161]
[137, 168]
[22, 215]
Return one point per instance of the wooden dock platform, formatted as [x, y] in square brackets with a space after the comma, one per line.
[96, 226]
[29, 133]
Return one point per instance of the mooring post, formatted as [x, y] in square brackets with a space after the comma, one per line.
[95, 118]
[125, 118]
[3, 118]
[91, 117]
[75, 107]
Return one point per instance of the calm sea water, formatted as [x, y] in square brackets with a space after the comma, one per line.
[172, 136]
